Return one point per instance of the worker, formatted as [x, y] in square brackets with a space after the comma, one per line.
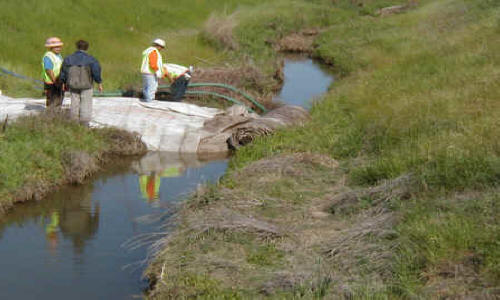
[79, 71]
[179, 77]
[51, 64]
[152, 69]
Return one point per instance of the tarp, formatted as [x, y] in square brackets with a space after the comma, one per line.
[161, 125]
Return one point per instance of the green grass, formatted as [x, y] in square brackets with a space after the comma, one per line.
[421, 98]
[453, 239]
[31, 150]
[118, 32]
[418, 94]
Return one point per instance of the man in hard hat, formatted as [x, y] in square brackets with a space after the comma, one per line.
[79, 71]
[51, 64]
[152, 69]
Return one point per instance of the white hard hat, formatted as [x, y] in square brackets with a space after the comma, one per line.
[159, 42]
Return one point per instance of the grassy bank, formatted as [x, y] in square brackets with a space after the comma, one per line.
[39, 153]
[118, 32]
[410, 206]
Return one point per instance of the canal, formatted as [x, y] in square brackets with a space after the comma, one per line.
[73, 243]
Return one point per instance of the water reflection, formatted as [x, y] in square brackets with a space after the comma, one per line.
[79, 217]
[69, 214]
[157, 165]
[51, 232]
[72, 241]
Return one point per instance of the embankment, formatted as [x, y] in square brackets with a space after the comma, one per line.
[390, 191]
[40, 153]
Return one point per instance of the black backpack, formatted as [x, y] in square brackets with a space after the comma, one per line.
[79, 78]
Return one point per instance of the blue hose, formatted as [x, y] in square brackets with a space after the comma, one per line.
[22, 77]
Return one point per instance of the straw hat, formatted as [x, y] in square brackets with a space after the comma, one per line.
[53, 42]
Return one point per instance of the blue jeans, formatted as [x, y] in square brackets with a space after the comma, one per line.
[178, 88]
[149, 87]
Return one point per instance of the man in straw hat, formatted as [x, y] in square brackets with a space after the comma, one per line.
[51, 63]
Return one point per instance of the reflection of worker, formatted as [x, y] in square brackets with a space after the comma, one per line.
[51, 63]
[151, 69]
[150, 184]
[51, 231]
[80, 217]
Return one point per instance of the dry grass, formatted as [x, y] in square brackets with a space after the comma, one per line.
[246, 77]
[78, 165]
[122, 142]
[297, 42]
[458, 280]
[220, 30]
[350, 201]
[277, 207]
[396, 9]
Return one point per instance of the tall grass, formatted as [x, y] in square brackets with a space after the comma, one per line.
[118, 31]
[421, 97]
[418, 95]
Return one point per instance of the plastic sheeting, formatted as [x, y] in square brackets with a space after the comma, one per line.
[175, 126]
[163, 126]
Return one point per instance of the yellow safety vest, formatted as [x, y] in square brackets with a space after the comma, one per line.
[145, 67]
[175, 71]
[56, 61]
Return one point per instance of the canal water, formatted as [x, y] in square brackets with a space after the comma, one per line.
[73, 243]
[305, 80]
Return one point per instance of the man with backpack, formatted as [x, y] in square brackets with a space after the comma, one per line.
[79, 71]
